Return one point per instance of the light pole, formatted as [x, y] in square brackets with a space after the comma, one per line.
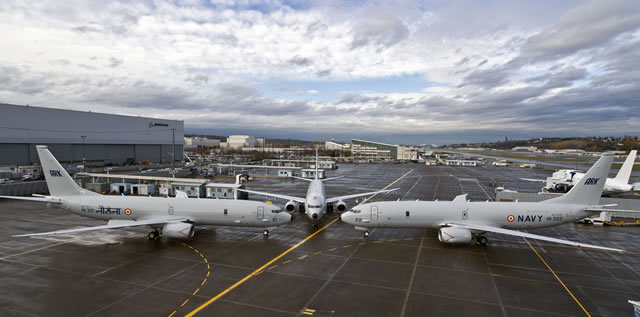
[173, 159]
[84, 160]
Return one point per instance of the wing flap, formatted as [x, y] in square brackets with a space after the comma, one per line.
[528, 235]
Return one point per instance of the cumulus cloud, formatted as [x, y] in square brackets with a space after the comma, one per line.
[406, 68]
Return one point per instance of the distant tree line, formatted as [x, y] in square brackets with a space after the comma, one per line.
[589, 143]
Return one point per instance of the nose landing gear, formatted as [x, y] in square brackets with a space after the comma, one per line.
[366, 234]
[265, 232]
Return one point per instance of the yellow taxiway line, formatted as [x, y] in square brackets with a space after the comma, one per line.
[262, 268]
[558, 278]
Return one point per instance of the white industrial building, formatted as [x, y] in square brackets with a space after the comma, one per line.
[81, 136]
[194, 142]
[241, 141]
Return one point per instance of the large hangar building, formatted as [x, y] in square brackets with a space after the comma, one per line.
[80, 136]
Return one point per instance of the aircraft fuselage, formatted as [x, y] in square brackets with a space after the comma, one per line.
[433, 214]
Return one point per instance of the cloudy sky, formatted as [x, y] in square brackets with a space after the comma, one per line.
[403, 72]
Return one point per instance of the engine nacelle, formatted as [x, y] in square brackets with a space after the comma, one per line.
[290, 206]
[341, 206]
[454, 235]
[178, 230]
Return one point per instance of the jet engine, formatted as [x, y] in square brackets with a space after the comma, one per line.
[179, 230]
[454, 235]
[341, 206]
[290, 206]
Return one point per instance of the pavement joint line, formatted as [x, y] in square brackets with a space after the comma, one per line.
[142, 288]
[493, 282]
[203, 281]
[259, 270]
[273, 267]
[34, 250]
[413, 275]
[285, 262]
[254, 273]
[558, 278]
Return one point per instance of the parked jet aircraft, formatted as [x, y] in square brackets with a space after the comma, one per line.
[315, 203]
[171, 217]
[460, 220]
[563, 180]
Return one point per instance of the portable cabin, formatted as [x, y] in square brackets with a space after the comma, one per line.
[286, 173]
[142, 189]
[225, 191]
[192, 189]
[311, 173]
[120, 188]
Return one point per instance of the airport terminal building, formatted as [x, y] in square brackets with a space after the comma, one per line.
[80, 136]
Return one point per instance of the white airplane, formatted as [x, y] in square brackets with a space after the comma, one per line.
[170, 217]
[563, 180]
[315, 203]
[460, 220]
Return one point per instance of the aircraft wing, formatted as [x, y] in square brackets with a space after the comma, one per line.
[112, 224]
[528, 235]
[301, 178]
[334, 199]
[534, 180]
[331, 178]
[610, 210]
[298, 199]
[42, 199]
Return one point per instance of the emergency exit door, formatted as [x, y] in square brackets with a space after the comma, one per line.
[260, 213]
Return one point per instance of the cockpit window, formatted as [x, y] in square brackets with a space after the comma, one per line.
[314, 206]
[355, 211]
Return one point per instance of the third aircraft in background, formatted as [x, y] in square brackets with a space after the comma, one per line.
[461, 221]
[563, 180]
[315, 203]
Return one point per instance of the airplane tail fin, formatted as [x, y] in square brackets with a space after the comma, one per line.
[58, 180]
[589, 188]
[625, 171]
[317, 164]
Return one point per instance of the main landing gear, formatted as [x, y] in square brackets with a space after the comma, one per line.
[154, 235]
[265, 232]
[482, 240]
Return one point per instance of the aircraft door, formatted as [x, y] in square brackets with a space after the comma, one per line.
[260, 213]
[374, 213]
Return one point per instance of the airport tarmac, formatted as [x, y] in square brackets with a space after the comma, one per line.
[396, 272]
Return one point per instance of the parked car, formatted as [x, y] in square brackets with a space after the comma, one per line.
[5, 181]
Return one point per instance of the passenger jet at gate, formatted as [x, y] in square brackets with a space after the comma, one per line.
[171, 217]
[315, 203]
[460, 220]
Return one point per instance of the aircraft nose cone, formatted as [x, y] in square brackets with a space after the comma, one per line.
[315, 215]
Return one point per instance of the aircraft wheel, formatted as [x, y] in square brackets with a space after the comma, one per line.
[366, 234]
[482, 240]
[265, 233]
[154, 235]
